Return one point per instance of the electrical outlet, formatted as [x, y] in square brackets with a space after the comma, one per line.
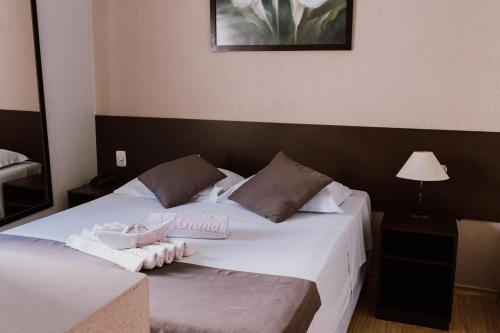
[121, 158]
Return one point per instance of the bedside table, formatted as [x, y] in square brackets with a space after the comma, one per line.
[86, 193]
[417, 269]
[24, 193]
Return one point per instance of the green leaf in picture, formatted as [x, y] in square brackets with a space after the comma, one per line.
[334, 13]
[327, 7]
[314, 28]
[310, 31]
[250, 17]
[242, 26]
[334, 31]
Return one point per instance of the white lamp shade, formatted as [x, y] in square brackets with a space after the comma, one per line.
[423, 166]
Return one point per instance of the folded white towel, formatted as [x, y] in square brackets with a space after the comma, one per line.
[169, 251]
[159, 252]
[128, 261]
[147, 257]
[179, 248]
[207, 226]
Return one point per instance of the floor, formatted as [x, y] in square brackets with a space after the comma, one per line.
[470, 315]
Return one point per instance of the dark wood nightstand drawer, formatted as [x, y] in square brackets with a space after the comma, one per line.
[86, 193]
[417, 270]
[415, 288]
[24, 193]
[77, 199]
[418, 247]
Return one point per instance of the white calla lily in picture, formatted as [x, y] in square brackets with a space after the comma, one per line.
[257, 7]
[298, 7]
[276, 7]
[281, 24]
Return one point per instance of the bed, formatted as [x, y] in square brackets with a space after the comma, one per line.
[37, 287]
[14, 172]
[328, 249]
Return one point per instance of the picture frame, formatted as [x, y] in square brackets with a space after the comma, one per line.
[281, 25]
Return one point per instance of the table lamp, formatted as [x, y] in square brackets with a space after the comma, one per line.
[422, 166]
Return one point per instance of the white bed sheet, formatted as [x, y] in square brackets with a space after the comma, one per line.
[328, 249]
[16, 171]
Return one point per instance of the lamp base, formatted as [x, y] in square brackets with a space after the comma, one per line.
[420, 213]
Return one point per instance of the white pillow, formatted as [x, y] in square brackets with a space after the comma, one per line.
[8, 157]
[212, 193]
[137, 189]
[328, 200]
[224, 197]
[230, 180]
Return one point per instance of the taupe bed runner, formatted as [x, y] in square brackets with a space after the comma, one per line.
[187, 298]
[190, 298]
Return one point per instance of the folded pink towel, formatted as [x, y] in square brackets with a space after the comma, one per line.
[208, 226]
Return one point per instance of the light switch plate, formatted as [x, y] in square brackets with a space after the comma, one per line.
[121, 158]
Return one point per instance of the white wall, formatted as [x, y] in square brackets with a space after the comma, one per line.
[68, 70]
[415, 64]
[18, 85]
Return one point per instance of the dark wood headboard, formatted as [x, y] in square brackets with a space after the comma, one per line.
[364, 158]
[21, 131]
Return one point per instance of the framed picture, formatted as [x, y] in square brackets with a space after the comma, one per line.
[281, 25]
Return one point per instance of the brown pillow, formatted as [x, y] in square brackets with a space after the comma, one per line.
[176, 182]
[280, 189]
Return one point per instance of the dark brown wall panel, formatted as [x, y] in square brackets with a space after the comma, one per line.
[21, 131]
[361, 157]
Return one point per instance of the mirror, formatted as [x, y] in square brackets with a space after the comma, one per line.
[25, 185]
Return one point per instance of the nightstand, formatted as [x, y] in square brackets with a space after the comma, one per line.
[417, 269]
[86, 193]
[24, 193]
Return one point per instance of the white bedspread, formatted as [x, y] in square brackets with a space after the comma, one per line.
[16, 171]
[326, 248]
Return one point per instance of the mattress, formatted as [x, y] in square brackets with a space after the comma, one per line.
[328, 249]
[16, 171]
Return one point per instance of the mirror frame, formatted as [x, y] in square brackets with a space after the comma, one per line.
[43, 119]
